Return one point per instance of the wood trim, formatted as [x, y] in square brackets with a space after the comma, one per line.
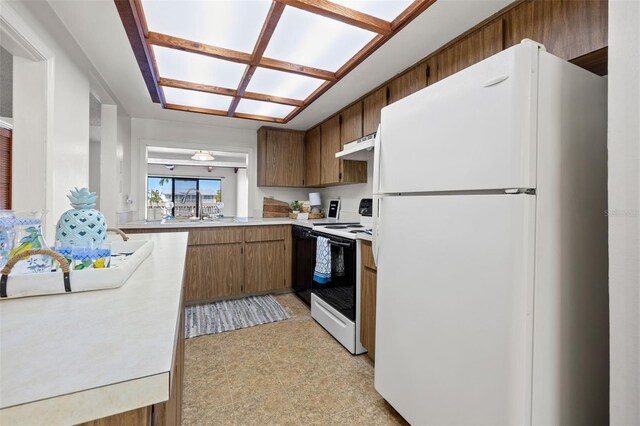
[131, 20]
[416, 8]
[342, 14]
[222, 113]
[270, 23]
[190, 46]
[180, 84]
[244, 82]
[278, 65]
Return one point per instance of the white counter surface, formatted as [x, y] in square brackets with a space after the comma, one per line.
[71, 358]
[157, 224]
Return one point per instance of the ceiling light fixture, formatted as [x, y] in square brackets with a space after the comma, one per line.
[202, 156]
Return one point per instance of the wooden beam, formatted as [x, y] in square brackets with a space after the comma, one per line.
[304, 70]
[179, 84]
[270, 23]
[342, 14]
[130, 17]
[412, 12]
[198, 110]
[185, 45]
[244, 82]
[269, 26]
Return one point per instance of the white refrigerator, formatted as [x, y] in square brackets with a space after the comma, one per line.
[490, 238]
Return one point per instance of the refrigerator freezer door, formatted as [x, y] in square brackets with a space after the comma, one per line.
[471, 131]
[454, 308]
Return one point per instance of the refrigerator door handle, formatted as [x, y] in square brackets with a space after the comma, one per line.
[376, 165]
[375, 228]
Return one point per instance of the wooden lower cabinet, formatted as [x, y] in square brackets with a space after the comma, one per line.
[233, 261]
[264, 266]
[368, 290]
[214, 271]
[138, 417]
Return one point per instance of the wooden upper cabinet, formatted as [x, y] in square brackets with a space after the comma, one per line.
[330, 144]
[371, 107]
[351, 123]
[312, 161]
[280, 157]
[408, 83]
[567, 28]
[475, 47]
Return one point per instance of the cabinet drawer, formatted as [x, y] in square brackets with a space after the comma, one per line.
[264, 233]
[367, 255]
[215, 236]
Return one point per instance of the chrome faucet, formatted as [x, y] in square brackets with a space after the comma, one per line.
[184, 199]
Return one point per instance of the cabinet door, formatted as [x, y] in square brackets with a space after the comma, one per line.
[264, 266]
[330, 136]
[368, 283]
[285, 158]
[477, 46]
[371, 107]
[213, 271]
[351, 124]
[408, 83]
[312, 157]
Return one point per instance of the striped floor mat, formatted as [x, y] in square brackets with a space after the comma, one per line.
[228, 315]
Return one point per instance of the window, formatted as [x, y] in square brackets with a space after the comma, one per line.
[182, 193]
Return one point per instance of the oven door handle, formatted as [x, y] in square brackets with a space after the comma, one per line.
[333, 243]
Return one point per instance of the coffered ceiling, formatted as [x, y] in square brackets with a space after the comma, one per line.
[264, 60]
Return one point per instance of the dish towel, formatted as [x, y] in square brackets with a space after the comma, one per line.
[322, 272]
[338, 263]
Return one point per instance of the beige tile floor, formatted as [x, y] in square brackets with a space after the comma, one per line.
[286, 373]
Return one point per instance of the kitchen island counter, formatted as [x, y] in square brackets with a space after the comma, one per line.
[71, 358]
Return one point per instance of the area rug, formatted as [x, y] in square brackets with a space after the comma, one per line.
[227, 315]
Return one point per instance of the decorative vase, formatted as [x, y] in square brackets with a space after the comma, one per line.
[27, 231]
[83, 223]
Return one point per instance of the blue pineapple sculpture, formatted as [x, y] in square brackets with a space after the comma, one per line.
[83, 222]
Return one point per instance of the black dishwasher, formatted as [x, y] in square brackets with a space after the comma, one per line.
[304, 258]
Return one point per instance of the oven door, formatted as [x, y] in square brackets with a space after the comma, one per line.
[340, 292]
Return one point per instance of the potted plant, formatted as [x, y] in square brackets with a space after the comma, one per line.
[295, 206]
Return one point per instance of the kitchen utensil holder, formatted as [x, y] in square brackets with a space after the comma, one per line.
[15, 259]
[120, 232]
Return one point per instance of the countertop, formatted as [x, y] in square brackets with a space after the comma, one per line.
[157, 224]
[70, 358]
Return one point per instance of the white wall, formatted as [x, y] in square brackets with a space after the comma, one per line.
[624, 210]
[51, 118]
[349, 195]
[227, 175]
[145, 132]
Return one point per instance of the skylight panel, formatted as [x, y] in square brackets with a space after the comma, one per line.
[283, 84]
[195, 68]
[316, 41]
[383, 9]
[267, 109]
[196, 99]
[232, 24]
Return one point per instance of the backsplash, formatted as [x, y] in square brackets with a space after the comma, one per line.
[349, 196]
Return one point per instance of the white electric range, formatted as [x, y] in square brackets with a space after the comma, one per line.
[335, 305]
[350, 229]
